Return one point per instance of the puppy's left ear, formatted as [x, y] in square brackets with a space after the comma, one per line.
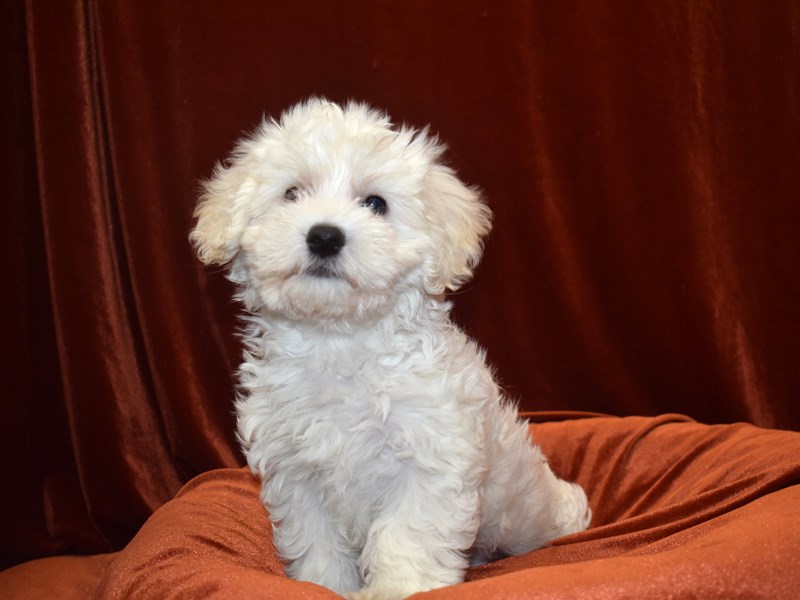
[461, 220]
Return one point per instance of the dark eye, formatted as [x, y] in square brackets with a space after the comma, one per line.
[291, 194]
[376, 204]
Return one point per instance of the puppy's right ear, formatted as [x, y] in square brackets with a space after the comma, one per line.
[221, 217]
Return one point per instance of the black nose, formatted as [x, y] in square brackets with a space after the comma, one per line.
[325, 240]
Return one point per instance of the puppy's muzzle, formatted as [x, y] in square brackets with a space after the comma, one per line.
[325, 240]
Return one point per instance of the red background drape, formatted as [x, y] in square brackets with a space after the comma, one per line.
[642, 160]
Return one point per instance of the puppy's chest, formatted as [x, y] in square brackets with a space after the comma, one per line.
[358, 402]
[345, 407]
[368, 395]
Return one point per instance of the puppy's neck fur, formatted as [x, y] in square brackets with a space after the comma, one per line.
[269, 335]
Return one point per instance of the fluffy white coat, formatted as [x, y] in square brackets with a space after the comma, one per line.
[388, 455]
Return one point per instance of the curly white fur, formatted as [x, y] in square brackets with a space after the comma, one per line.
[388, 455]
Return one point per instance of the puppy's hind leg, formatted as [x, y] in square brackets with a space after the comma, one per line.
[525, 505]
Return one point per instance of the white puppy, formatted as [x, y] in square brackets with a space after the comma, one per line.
[388, 455]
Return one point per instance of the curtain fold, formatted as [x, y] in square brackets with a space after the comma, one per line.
[107, 395]
[642, 161]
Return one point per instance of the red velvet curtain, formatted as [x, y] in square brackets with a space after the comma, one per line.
[642, 160]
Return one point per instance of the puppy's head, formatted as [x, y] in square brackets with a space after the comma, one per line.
[332, 212]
